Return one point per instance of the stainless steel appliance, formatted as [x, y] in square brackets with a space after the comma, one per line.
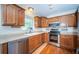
[54, 34]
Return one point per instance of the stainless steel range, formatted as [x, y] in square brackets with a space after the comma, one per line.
[54, 34]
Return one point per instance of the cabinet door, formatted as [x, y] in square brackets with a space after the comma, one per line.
[37, 21]
[4, 48]
[44, 22]
[4, 14]
[10, 15]
[34, 42]
[21, 15]
[68, 41]
[45, 37]
[78, 41]
[70, 20]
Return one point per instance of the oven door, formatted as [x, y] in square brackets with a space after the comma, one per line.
[53, 37]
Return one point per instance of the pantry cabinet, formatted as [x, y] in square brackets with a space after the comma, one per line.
[34, 42]
[13, 15]
[68, 41]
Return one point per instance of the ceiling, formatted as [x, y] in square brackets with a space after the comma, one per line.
[50, 9]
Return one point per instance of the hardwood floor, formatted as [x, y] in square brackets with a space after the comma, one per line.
[51, 49]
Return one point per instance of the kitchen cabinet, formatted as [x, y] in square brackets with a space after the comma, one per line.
[13, 15]
[44, 22]
[68, 41]
[21, 16]
[34, 42]
[45, 37]
[4, 48]
[40, 22]
[70, 20]
[8, 14]
[37, 21]
[78, 41]
[54, 19]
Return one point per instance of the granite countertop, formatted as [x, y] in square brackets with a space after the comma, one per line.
[70, 32]
[11, 37]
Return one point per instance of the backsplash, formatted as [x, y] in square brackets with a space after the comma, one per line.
[9, 30]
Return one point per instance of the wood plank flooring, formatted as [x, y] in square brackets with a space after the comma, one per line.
[51, 49]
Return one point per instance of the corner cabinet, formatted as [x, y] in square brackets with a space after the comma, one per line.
[13, 15]
[68, 41]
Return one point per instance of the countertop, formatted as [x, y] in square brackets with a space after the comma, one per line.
[8, 38]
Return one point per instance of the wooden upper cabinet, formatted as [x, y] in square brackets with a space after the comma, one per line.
[37, 21]
[12, 16]
[44, 22]
[21, 17]
[40, 22]
[70, 20]
[54, 19]
[8, 14]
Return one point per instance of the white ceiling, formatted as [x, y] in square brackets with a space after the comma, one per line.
[44, 9]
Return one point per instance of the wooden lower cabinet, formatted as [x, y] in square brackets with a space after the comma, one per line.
[34, 42]
[4, 48]
[78, 41]
[68, 42]
[45, 37]
[22, 46]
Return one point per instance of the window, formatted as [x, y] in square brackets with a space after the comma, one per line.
[29, 23]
